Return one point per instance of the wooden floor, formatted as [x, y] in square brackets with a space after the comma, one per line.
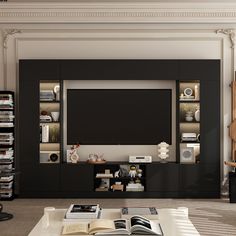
[215, 217]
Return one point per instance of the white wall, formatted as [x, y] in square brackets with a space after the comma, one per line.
[144, 39]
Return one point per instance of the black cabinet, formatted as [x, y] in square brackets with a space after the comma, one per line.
[199, 180]
[76, 177]
[162, 177]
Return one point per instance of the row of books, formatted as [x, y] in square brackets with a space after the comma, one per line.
[142, 221]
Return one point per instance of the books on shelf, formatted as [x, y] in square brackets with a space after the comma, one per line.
[82, 212]
[6, 178]
[104, 175]
[136, 225]
[134, 187]
[6, 154]
[150, 213]
[6, 124]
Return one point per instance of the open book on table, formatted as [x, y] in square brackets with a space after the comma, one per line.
[136, 225]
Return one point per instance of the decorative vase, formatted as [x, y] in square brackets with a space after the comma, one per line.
[197, 114]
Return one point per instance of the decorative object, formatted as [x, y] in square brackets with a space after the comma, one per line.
[132, 171]
[197, 114]
[96, 159]
[196, 92]
[187, 155]
[139, 173]
[57, 92]
[55, 115]
[124, 171]
[72, 154]
[198, 137]
[117, 187]
[54, 135]
[188, 92]
[189, 116]
[163, 150]
[117, 174]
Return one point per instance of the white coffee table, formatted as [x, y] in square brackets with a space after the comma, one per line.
[174, 222]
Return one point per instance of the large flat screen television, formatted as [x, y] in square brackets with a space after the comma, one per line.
[119, 116]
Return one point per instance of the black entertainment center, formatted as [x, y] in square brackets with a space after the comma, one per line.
[200, 178]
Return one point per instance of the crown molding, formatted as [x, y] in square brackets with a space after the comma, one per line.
[116, 12]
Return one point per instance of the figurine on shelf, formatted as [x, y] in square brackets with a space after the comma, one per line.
[72, 155]
[132, 171]
[139, 173]
[117, 174]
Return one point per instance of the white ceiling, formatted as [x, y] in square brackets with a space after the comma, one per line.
[171, 1]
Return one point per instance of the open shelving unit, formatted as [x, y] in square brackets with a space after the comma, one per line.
[110, 182]
[189, 121]
[7, 145]
[49, 122]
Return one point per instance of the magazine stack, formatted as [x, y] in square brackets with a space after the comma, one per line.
[7, 133]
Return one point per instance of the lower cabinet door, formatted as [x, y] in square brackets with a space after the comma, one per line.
[162, 177]
[40, 179]
[76, 177]
[200, 180]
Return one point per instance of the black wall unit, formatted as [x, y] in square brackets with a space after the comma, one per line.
[161, 180]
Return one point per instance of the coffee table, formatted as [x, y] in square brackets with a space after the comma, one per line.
[174, 222]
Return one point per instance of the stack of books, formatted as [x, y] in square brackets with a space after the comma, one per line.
[6, 155]
[6, 101]
[76, 211]
[6, 138]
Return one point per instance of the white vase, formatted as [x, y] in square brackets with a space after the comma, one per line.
[197, 114]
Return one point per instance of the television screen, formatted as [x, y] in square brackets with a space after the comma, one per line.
[119, 116]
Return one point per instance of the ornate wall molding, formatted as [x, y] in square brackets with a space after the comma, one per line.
[7, 33]
[230, 33]
[115, 12]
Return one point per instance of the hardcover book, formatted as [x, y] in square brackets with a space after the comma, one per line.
[136, 225]
[150, 213]
[76, 211]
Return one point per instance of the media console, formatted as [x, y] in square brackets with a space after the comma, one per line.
[196, 170]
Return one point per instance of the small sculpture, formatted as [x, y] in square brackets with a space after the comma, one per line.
[139, 173]
[73, 155]
[132, 171]
[163, 150]
[117, 174]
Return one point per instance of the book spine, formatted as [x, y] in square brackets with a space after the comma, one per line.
[45, 133]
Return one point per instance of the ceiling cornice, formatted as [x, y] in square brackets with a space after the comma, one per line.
[115, 12]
